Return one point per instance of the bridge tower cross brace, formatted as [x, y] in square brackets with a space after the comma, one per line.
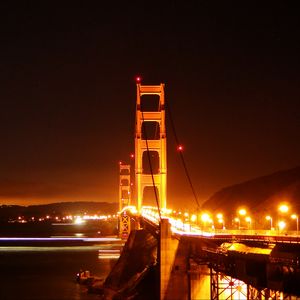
[143, 180]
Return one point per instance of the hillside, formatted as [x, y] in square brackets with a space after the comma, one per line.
[260, 195]
[61, 208]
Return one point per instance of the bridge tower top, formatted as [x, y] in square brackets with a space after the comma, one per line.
[150, 140]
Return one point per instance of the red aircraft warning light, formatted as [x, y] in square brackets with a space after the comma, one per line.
[138, 79]
[132, 156]
[180, 148]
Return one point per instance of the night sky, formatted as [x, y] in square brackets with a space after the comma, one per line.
[68, 93]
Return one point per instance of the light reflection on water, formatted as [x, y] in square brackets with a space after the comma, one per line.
[51, 248]
[48, 272]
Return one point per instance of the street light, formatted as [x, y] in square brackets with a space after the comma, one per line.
[242, 212]
[219, 216]
[269, 218]
[281, 225]
[295, 217]
[221, 220]
[237, 220]
[248, 220]
[193, 218]
[283, 208]
[205, 217]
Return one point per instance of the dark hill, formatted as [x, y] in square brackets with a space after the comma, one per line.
[260, 195]
[61, 208]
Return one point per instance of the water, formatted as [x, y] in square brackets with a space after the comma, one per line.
[47, 272]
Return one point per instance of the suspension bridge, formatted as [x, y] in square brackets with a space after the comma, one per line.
[249, 264]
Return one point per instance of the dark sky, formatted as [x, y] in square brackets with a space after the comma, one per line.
[67, 93]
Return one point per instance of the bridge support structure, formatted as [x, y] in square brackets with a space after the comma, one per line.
[124, 200]
[226, 287]
[173, 258]
[144, 143]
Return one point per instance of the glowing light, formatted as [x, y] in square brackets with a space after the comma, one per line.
[138, 79]
[294, 217]
[193, 218]
[78, 220]
[283, 208]
[281, 225]
[242, 212]
[131, 155]
[179, 148]
[205, 217]
[219, 216]
[248, 219]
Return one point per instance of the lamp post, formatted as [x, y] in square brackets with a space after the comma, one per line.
[269, 218]
[248, 220]
[221, 220]
[237, 220]
[295, 217]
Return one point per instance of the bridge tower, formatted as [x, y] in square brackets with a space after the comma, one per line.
[144, 144]
[124, 199]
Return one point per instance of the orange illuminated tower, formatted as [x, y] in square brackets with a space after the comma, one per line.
[144, 142]
[124, 199]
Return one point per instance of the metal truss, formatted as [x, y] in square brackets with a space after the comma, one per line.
[223, 287]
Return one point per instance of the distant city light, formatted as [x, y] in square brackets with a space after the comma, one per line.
[78, 220]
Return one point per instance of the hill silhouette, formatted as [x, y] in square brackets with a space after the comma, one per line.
[260, 196]
[60, 208]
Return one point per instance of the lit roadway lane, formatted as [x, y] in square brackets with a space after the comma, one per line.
[178, 227]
